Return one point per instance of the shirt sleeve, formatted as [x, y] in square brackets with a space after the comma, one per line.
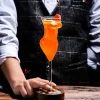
[8, 29]
[94, 35]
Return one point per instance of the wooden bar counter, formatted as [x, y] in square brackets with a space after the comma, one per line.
[81, 93]
[71, 93]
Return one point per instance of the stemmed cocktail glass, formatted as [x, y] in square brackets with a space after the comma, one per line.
[49, 42]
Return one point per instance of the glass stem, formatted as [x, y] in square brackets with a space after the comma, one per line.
[50, 71]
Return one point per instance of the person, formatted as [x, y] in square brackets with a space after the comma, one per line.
[80, 31]
[9, 55]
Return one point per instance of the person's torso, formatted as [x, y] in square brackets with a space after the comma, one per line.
[70, 62]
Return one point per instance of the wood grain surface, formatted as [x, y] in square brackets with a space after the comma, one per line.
[71, 93]
[81, 92]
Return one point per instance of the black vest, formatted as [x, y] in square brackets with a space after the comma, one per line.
[70, 62]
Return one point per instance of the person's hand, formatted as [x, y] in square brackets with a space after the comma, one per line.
[20, 86]
[26, 87]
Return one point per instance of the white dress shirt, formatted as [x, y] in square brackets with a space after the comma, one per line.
[94, 49]
[8, 29]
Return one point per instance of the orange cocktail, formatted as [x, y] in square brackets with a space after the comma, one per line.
[49, 42]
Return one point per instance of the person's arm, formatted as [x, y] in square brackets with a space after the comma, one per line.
[8, 39]
[94, 35]
[9, 43]
[8, 29]
[12, 71]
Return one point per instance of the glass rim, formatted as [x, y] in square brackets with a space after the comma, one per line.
[49, 18]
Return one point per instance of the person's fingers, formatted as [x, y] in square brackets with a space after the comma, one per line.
[28, 88]
[53, 84]
[39, 84]
[23, 91]
[47, 82]
[42, 80]
[43, 85]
